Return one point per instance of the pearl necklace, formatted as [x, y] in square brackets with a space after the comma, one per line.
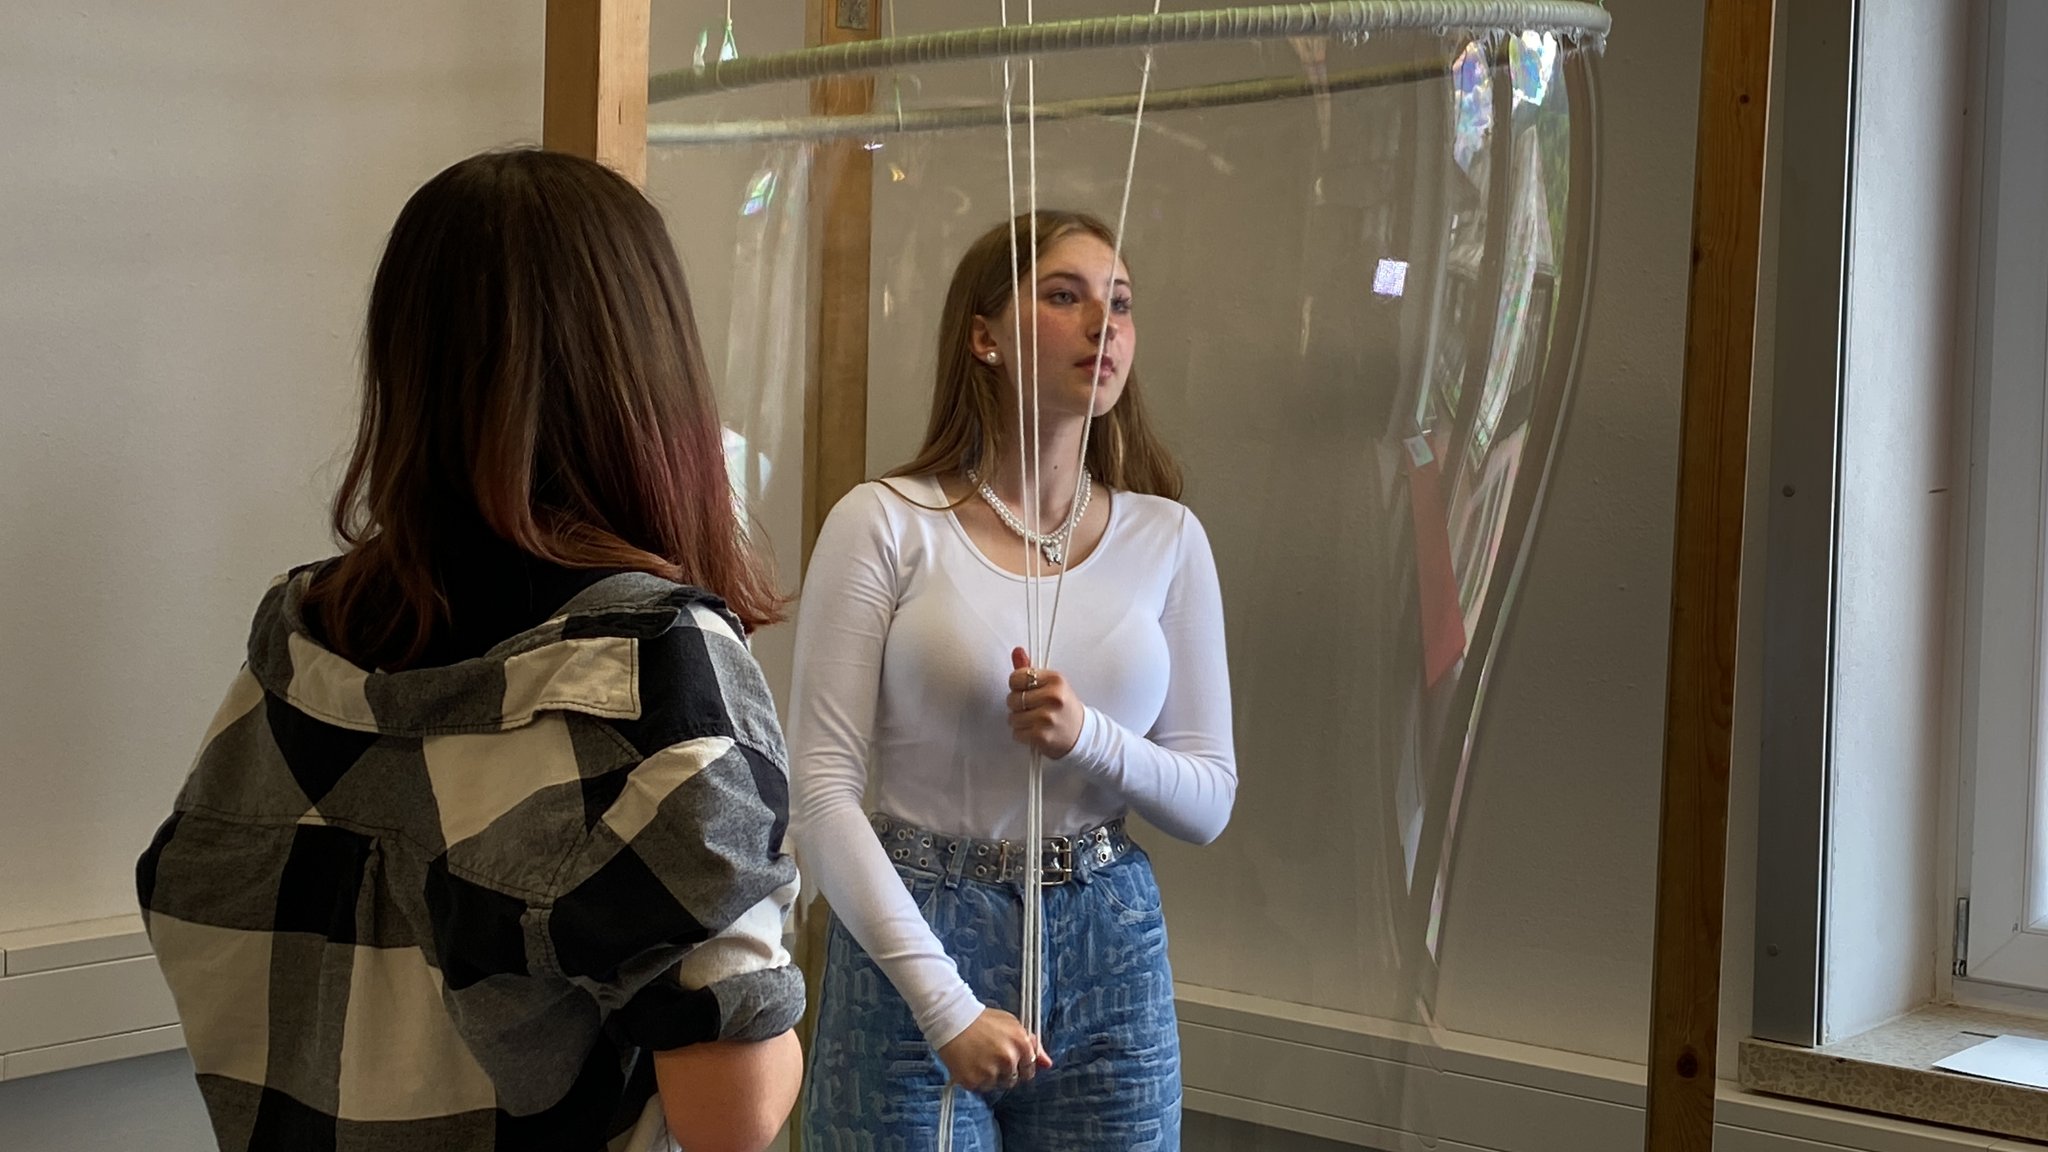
[1052, 544]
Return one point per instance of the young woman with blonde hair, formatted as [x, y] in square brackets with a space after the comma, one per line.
[911, 662]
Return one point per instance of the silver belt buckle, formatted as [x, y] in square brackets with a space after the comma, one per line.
[1058, 867]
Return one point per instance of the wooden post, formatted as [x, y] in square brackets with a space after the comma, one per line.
[842, 192]
[595, 98]
[836, 390]
[1720, 340]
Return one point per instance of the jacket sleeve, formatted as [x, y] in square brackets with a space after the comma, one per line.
[672, 910]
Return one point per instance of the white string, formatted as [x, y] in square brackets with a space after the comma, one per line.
[1032, 978]
[1116, 254]
[1030, 473]
[947, 1101]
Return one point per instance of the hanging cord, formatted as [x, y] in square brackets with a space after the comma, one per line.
[948, 1100]
[1030, 472]
[1116, 255]
[1032, 977]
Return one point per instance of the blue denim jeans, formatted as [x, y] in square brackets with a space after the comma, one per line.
[1114, 1085]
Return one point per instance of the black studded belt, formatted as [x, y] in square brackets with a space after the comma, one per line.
[1001, 861]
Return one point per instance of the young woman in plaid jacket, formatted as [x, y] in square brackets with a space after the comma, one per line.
[484, 849]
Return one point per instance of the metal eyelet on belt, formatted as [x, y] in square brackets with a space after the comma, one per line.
[902, 854]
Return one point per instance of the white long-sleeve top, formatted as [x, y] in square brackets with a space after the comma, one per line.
[902, 664]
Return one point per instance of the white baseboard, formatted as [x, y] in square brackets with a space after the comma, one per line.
[100, 1050]
[78, 994]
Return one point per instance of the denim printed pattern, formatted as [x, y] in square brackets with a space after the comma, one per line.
[874, 1083]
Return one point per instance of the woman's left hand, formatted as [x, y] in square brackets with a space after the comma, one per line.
[1044, 712]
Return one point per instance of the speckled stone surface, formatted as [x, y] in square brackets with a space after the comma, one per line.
[1890, 1070]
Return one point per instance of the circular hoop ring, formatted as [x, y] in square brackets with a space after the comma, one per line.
[1578, 19]
[872, 125]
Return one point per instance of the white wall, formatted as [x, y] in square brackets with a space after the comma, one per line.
[196, 196]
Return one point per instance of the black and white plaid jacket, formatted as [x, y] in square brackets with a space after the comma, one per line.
[456, 908]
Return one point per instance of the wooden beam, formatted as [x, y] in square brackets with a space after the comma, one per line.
[1720, 339]
[842, 192]
[836, 389]
[594, 102]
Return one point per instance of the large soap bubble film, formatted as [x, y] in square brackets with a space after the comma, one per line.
[742, 223]
[1358, 315]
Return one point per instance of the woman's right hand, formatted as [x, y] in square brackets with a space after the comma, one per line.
[994, 1053]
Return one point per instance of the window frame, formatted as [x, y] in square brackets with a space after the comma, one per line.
[1812, 176]
[2002, 810]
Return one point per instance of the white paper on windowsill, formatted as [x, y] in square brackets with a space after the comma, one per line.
[2012, 1059]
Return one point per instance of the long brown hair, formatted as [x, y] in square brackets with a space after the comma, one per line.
[531, 368]
[967, 399]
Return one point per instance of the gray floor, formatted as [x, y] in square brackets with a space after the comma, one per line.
[148, 1102]
[151, 1103]
[1204, 1133]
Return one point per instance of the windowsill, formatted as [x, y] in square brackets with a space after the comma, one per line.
[1890, 1070]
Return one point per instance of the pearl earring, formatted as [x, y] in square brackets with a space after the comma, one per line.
[992, 358]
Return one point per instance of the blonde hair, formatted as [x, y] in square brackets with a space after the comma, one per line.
[1123, 451]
